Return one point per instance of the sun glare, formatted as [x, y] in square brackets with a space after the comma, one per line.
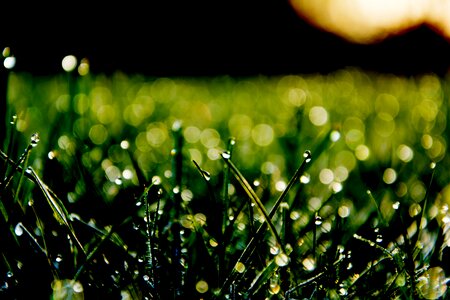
[365, 21]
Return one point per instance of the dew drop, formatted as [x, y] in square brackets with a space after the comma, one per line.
[13, 120]
[156, 180]
[9, 274]
[232, 141]
[432, 165]
[35, 139]
[335, 136]
[379, 238]
[206, 175]
[226, 155]
[176, 190]
[51, 155]
[146, 278]
[176, 126]
[139, 203]
[318, 220]
[307, 156]
[396, 205]
[59, 258]
[18, 230]
[305, 178]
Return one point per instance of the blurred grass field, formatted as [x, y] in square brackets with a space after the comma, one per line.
[149, 174]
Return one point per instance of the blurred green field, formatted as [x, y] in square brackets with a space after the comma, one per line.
[349, 227]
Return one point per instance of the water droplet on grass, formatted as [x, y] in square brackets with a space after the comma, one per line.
[34, 139]
[307, 156]
[379, 238]
[206, 175]
[318, 220]
[18, 230]
[226, 154]
[13, 120]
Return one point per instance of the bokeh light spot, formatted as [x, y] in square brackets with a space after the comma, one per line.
[262, 135]
[69, 63]
[318, 115]
[389, 176]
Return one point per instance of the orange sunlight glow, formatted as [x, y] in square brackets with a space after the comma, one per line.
[370, 21]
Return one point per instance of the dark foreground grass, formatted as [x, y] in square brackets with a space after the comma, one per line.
[296, 187]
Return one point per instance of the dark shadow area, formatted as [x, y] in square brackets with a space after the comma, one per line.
[204, 38]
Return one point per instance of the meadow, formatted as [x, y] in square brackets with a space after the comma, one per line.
[315, 186]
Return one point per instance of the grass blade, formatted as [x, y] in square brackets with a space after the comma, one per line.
[251, 193]
[59, 211]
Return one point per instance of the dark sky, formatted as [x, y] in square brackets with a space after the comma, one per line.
[203, 38]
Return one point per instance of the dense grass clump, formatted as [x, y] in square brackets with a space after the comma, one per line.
[319, 187]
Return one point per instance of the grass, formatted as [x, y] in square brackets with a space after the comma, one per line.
[293, 187]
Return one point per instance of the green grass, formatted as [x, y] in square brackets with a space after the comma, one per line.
[292, 187]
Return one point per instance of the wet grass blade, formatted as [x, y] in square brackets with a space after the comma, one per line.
[262, 278]
[91, 254]
[249, 249]
[59, 211]
[252, 195]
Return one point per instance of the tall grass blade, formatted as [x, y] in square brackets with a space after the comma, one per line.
[252, 195]
[249, 249]
[177, 171]
[226, 182]
[262, 278]
[90, 256]
[59, 211]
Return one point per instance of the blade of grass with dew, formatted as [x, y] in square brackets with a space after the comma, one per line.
[248, 250]
[252, 195]
[9, 146]
[150, 230]
[5, 182]
[206, 176]
[91, 254]
[21, 228]
[324, 141]
[380, 215]
[421, 217]
[177, 171]
[262, 278]
[226, 182]
[59, 211]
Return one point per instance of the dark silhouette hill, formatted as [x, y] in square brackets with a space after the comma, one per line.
[205, 38]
